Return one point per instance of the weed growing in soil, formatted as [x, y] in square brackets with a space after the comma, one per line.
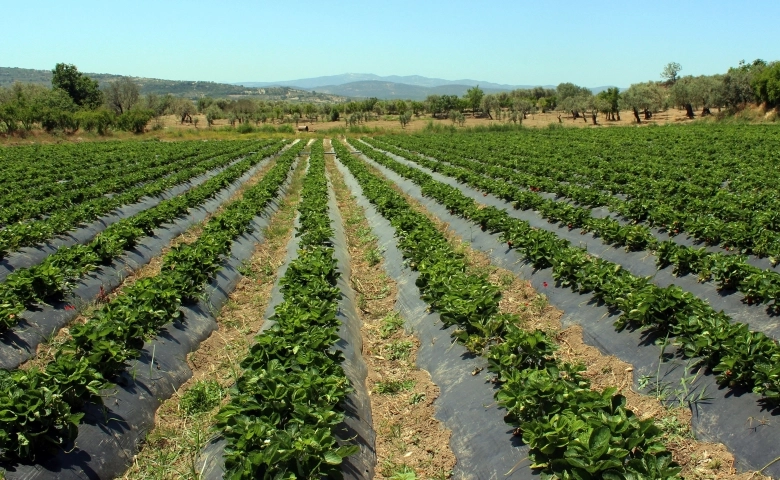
[402, 472]
[399, 350]
[201, 397]
[246, 270]
[373, 256]
[416, 398]
[391, 387]
[390, 324]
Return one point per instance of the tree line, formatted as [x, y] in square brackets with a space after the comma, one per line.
[77, 102]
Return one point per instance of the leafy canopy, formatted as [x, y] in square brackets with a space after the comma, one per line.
[84, 91]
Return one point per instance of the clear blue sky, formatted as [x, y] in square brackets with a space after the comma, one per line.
[515, 42]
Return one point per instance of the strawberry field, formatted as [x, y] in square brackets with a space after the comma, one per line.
[121, 262]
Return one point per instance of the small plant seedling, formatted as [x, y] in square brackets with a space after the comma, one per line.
[540, 302]
[506, 279]
[365, 236]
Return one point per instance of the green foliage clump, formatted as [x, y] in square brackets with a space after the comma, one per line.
[245, 127]
[84, 91]
[134, 120]
[766, 84]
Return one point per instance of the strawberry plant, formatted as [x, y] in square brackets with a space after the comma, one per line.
[54, 278]
[573, 431]
[666, 310]
[285, 407]
[98, 349]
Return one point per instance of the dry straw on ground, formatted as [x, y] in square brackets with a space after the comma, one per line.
[409, 438]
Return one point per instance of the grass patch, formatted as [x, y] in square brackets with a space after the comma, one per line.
[203, 396]
[390, 324]
[398, 350]
[391, 387]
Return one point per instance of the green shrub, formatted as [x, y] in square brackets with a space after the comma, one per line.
[99, 121]
[134, 120]
[245, 127]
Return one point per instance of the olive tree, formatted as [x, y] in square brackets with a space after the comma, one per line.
[567, 90]
[488, 103]
[405, 118]
[648, 97]
[121, 95]
[183, 108]
[523, 105]
[738, 84]
[681, 94]
[577, 105]
[670, 72]
[474, 97]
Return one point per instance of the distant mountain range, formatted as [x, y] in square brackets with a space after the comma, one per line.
[415, 87]
[416, 80]
[328, 89]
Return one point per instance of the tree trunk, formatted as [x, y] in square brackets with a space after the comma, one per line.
[636, 115]
[575, 114]
[689, 110]
[618, 116]
[705, 111]
[559, 119]
[593, 117]
[648, 114]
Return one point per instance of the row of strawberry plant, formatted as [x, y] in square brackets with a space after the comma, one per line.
[283, 410]
[56, 276]
[41, 408]
[572, 431]
[728, 271]
[739, 356]
[45, 163]
[698, 198]
[25, 234]
[40, 170]
[58, 195]
[134, 168]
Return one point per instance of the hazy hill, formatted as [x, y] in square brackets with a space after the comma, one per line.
[391, 90]
[328, 89]
[181, 88]
[415, 87]
[415, 80]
